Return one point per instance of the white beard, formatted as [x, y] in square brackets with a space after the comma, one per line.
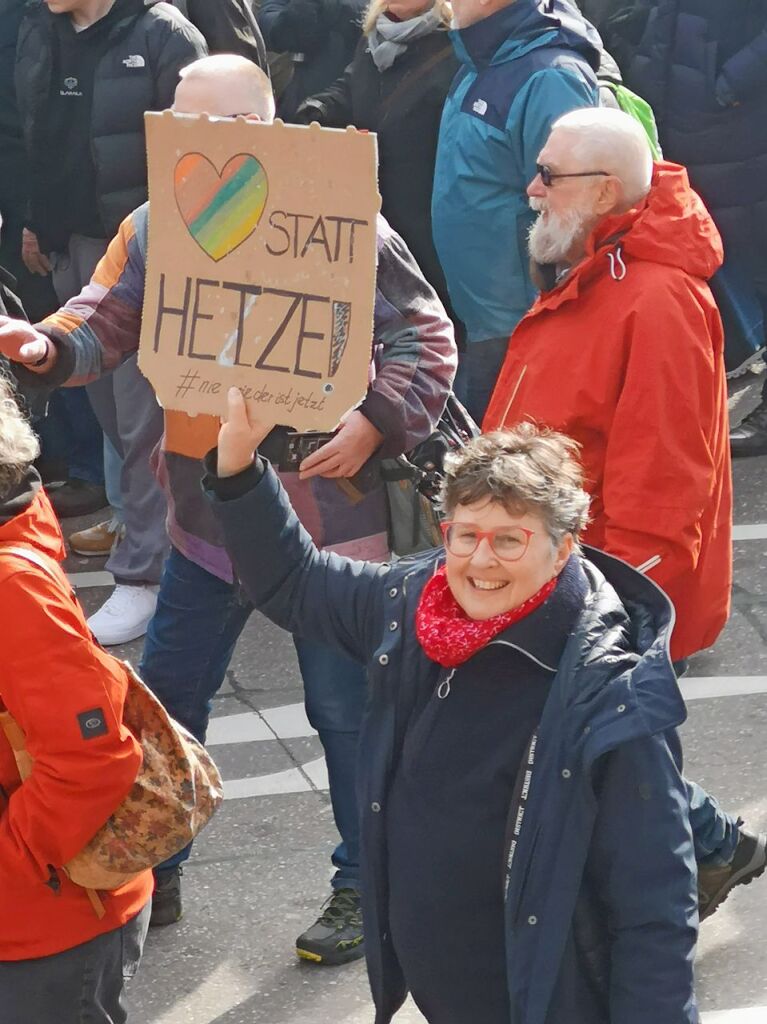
[550, 241]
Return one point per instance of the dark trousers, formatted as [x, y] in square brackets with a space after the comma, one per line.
[478, 368]
[189, 644]
[82, 985]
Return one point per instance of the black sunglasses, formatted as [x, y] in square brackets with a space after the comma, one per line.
[548, 178]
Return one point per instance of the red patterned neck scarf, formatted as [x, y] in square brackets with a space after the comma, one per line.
[448, 635]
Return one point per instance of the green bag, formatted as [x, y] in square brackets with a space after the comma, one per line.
[632, 104]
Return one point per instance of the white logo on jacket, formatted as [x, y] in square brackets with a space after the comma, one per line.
[480, 107]
[70, 88]
[135, 61]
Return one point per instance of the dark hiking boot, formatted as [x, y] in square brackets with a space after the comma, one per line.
[78, 498]
[716, 883]
[750, 437]
[166, 899]
[336, 936]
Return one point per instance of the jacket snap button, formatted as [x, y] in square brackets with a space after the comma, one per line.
[384, 659]
[566, 773]
[375, 807]
[532, 919]
[621, 708]
[393, 592]
[392, 626]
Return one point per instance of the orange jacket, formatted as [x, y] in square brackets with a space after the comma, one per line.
[54, 676]
[625, 355]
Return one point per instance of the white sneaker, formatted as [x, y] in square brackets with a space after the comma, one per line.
[125, 615]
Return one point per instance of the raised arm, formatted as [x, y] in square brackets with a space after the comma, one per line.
[97, 329]
[317, 595]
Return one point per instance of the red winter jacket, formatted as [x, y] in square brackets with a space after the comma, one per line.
[54, 676]
[631, 366]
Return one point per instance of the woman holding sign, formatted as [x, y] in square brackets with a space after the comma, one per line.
[526, 851]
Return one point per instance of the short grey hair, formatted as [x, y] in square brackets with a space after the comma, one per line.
[527, 469]
[18, 445]
[611, 141]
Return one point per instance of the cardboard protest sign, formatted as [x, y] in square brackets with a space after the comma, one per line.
[261, 267]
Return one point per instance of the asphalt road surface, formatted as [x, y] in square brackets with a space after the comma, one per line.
[261, 871]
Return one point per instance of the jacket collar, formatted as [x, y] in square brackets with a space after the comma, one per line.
[543, 634]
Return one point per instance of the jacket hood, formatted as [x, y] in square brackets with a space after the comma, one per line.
[671, 227]
[616, 668]
[27, 518]
[523, 26]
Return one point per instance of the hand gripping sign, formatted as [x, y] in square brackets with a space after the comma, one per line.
[261, 267]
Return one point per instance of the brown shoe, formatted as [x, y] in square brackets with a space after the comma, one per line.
[716, 883]
[97, 540]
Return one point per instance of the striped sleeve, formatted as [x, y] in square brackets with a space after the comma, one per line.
[415, 350]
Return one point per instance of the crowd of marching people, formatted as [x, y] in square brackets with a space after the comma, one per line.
[571, 258]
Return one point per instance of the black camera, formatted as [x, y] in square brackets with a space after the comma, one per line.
[297, 447]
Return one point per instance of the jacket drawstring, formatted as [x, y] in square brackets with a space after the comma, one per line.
[618, 268]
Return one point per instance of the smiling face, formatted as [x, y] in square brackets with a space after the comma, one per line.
[485, 585]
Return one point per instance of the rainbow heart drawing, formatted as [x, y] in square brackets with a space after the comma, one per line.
[220, 210]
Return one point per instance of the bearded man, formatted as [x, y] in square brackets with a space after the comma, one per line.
[623, 351]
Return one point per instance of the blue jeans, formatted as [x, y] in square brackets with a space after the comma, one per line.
[113, 465]
[478, 368]
[714, 833]
[189, 644]
[335, 689]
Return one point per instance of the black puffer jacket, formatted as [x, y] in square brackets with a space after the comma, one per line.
[702, 64]
[320, 34]
[229, 26]
[403, 105]
[147, 47]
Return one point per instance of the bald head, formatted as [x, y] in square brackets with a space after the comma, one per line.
[225, 85]
[608, 140]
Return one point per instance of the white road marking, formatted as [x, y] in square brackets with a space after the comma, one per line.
[81, 580]
[238, 729]
[707, 687]
[289, 722]
[756, 531]
[276, 784]
[749, 1015]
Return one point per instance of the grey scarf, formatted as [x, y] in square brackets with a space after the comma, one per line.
[390, 38]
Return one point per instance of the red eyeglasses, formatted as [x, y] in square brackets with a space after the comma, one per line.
[509, 543]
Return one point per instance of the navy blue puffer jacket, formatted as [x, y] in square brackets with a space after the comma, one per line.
[702, 64]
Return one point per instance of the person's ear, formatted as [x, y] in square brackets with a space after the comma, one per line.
[609, 195]
[564, 551]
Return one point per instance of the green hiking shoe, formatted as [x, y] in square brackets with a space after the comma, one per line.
[336, 936]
